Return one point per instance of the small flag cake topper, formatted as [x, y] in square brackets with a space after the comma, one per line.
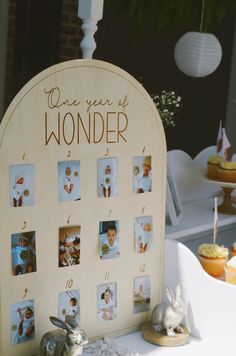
[219, 138]
[226, 146]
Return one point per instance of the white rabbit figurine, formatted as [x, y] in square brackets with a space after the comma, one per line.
[61, 343]
[169, 316]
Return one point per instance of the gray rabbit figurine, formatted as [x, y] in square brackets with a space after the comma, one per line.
[66, 342]
[169, 316]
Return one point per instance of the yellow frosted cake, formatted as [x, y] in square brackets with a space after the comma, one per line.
[226, 172]
[230, 270]
[212, 165]
[213, 258]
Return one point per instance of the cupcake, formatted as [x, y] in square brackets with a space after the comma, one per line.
[230, 270]
[213, 258]
[226, 172]
[212, 165]
[233, 249]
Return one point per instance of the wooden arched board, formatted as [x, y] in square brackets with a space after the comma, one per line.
[84, 115]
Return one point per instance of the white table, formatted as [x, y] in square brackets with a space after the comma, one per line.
[194, 347]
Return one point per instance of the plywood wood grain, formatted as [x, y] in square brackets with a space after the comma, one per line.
[79, 111]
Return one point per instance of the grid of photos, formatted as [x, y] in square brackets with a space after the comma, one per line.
[142, 174]
[106, 301]
[143, 234]
[69, 246]
[69, 304]
[109, 242]
[142, 294]
[23, 253]
[22, 189]
[107, 177]
[22, 322]
[68, 180]
[23, 244]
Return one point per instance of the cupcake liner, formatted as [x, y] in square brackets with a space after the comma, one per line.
[233, 252]
[212, 171]
[213, 266]
[226, 175]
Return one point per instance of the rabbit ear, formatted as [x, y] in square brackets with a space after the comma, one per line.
[170, 296]
[178, 292]
[59, 323]
[71, 322]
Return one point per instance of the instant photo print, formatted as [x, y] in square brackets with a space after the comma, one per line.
[142, 294]
[22, 322]
[107, 177]
[69, 246]
[69, 304]
[142, 174]
[143, 234]
[23, 252]
[22, 185]
[69, 180]
[107, 302]
[109, 241]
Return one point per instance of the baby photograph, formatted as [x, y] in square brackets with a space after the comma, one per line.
[107, 177]
[143, 234]
[69, 304]
[22, 322]
[22, 186]
[109, 243]
[106, 301]
[142, 174]
[68, 180]
[23, 253]
[142, 294]
[69, 246]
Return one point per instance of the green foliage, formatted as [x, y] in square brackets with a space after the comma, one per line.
[166, 15]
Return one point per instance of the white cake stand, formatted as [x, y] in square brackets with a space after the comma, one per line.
[226, 207]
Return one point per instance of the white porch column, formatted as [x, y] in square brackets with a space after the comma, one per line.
[90, 11]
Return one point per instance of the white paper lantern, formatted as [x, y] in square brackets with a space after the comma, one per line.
[198, 54]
